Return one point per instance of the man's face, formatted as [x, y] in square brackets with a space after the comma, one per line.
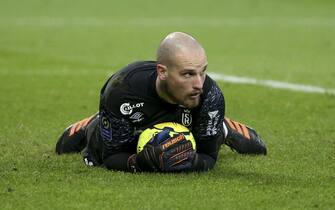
[185, 79]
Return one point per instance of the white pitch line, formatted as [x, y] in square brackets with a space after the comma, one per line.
[272, 84]
[215, 76]
[169, 21]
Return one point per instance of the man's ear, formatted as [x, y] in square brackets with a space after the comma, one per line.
[161, 71]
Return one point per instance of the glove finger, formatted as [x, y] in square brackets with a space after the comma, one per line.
[186, 146]
[176, 155]
[180, 157]
[174, 152]
[182, 161]
[183, 166]
[160, 137]
[149, 156]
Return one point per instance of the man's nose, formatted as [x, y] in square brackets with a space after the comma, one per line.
[198, 82]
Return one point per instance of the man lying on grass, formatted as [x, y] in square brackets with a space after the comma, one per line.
[174, 88]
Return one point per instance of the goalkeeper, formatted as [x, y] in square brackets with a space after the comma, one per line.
[175, 88]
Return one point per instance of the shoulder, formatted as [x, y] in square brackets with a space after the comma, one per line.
[211, 92]
[130, 76]
[130, 73]
[131, 86]
[137, 68]
[211, 111]
[141, 76]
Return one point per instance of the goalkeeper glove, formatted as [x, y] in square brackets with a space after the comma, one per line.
[165, 154]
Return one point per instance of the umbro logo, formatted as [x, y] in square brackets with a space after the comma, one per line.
[137, 117]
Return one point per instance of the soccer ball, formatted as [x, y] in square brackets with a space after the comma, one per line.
[148, 133]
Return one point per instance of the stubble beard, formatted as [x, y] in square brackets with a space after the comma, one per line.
[186, 102]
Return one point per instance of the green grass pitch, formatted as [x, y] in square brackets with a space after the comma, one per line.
[56, 54]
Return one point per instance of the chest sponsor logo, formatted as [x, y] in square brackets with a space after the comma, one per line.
[212, 123]
[137, 117]
[186, 117]
[127, 108]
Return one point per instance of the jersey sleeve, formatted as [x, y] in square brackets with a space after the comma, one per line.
[117, 134]
[208, 129]
[210, 116]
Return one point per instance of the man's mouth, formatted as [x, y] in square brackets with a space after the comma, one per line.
[195, 95]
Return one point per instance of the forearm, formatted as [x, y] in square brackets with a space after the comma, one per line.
[203, 162]
[117, 161]
[207, 154]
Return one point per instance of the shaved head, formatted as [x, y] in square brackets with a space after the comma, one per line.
[176, 45]
[181, 66]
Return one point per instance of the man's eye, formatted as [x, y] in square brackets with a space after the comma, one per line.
[187, 75]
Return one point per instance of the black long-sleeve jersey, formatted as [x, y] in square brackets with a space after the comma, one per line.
[129, 103]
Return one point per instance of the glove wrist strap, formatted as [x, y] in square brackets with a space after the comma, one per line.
[132, 164]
